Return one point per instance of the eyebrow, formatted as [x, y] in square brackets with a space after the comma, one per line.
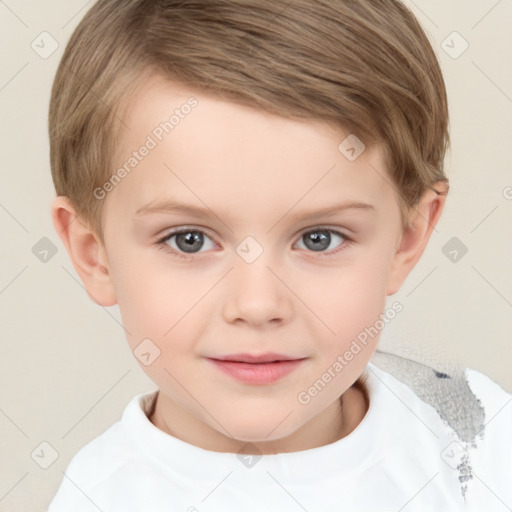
[204, 212]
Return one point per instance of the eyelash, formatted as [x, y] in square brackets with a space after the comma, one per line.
[160, 244]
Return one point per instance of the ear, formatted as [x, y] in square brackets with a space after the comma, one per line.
[85, 250]
[423, 219]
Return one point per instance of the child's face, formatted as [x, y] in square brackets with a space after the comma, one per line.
[256, 174]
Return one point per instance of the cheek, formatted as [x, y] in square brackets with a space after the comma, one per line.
[160, 301]
[350, 300]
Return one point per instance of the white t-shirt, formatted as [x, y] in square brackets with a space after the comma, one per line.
[402, 457]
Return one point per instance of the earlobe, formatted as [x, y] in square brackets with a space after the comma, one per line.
[85, 251]
[424, 217]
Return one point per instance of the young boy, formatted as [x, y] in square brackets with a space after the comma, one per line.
[300, 146]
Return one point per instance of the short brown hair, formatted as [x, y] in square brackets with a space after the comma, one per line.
[360, 65]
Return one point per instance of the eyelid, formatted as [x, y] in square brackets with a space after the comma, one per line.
[345, 232]
[185, 229]
[326, 227]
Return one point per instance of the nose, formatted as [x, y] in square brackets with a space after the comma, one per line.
[256, 294]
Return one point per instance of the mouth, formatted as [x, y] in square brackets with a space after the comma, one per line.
[257, 369]
[268, 357]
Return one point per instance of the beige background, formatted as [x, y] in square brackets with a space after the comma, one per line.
[66, 372]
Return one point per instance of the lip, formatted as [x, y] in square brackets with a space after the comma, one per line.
[266, 368]
[267, 357]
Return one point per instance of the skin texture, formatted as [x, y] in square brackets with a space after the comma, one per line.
[257, 173]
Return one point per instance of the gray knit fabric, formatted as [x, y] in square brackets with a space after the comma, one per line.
[445, 388]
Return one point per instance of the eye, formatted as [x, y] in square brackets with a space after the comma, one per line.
[187, 241]
[319, 239]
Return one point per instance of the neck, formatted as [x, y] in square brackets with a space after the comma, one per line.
[335, 422]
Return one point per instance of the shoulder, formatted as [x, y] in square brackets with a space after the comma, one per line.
[471, 415]
[488, 391]
[497, 406]
[96, 464]
[492, 454]
[466, 399]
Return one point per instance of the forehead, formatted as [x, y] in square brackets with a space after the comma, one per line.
[204, 149]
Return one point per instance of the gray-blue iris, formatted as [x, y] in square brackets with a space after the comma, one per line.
[320, 239]
[192, 240]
